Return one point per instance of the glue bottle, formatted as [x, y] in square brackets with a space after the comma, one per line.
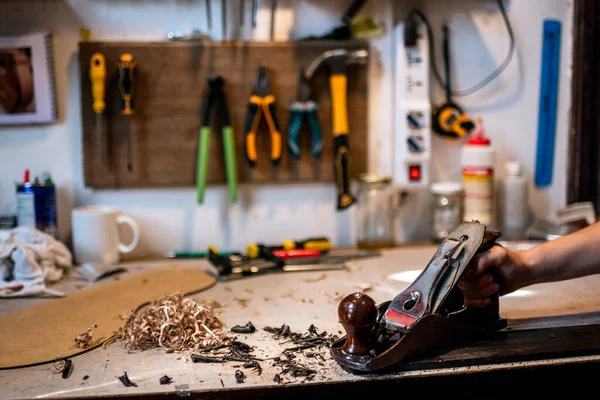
[477, 165]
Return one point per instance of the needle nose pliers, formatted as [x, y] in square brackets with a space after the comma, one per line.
[262, 102]
[304, 109]
[215, 97]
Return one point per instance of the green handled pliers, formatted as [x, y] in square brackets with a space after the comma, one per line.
[214, 96]
[304, 109]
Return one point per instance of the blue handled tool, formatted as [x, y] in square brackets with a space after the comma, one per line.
[547, 105]
[304, 109]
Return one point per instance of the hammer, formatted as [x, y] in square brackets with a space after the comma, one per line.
[338, 60]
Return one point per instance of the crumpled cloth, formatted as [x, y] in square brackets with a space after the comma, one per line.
[29, 260]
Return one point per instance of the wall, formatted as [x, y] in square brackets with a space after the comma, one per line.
[171, 220]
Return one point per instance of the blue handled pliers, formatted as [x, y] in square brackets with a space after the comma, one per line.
[301, 109]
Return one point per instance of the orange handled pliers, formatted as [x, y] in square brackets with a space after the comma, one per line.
[262, 102]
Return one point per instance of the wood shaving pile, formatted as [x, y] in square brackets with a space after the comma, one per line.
[174, 323]
[83, 341]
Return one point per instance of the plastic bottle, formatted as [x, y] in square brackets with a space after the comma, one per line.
[513, 202]
[477, 165]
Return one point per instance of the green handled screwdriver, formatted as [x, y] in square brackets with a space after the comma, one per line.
[215, 96]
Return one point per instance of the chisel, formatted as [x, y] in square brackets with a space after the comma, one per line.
[127, 80]
[98, 77]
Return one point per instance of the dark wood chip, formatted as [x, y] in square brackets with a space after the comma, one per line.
[125, 380]
[239, 376]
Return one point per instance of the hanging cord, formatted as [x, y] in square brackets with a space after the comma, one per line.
[485, 81]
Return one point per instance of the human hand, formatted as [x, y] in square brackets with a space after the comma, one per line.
[497, 270]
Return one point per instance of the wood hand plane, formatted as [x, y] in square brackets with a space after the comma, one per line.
[428, 316]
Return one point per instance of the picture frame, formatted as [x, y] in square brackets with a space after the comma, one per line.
[27, 85]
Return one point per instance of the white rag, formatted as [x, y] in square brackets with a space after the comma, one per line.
[29, 259]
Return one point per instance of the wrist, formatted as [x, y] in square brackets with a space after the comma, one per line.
[532, 260]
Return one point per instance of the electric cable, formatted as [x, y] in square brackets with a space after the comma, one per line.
[484, 82]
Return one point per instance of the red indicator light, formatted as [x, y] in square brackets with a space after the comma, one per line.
[414, 173]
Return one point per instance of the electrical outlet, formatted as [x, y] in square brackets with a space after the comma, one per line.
[412, 150]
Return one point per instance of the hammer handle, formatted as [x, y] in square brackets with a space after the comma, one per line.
[342, 157]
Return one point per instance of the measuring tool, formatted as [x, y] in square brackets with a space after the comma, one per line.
[449, 119]
[127, 80]
[547, 105]
[98, 79]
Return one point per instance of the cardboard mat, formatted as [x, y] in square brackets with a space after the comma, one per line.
[41, 333]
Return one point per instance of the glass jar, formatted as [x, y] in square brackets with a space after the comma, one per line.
[447, 208]
[375, 213]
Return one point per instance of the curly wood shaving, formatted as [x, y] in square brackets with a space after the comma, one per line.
[174, 323]
[83, 340]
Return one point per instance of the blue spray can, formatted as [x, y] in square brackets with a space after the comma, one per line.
[36, 204]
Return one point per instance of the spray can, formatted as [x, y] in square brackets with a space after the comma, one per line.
[478, 177]
[36, 204]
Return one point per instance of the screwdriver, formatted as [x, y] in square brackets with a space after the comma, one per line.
[127, 68]
[208, 15]
[316, 243]
[98, 77]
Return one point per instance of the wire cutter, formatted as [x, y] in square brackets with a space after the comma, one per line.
[301, 109]
[262, 102]
[214, 96]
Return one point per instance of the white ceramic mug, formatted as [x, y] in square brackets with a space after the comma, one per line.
[96, 235]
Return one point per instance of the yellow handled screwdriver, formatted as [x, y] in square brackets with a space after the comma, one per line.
[98, 79]
[127, 68]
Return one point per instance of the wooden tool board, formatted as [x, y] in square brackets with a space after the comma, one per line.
[171, 83]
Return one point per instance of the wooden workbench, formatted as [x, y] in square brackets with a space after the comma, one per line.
[302, 299]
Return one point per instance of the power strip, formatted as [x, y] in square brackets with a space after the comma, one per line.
[412, 148]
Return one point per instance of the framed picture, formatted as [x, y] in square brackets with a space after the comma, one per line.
[27, 87]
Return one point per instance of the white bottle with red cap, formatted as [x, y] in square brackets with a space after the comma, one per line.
[477, 165]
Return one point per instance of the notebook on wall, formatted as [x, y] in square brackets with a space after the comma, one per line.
[27, 86]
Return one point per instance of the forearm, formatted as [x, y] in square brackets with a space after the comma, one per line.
[568, 257]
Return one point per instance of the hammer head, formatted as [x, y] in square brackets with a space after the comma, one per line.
[338, 59]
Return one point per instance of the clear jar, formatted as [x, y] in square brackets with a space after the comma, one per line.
[447, 208]
[375, 213]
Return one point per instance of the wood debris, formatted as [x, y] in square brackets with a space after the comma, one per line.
[125, 380]
[248, 290]
[364, 287]
[174, 323]
[242, 302]
[83, 340]
[316, 278]
[248, 328]
[227, 288]
[63, 366]
[239, 376]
